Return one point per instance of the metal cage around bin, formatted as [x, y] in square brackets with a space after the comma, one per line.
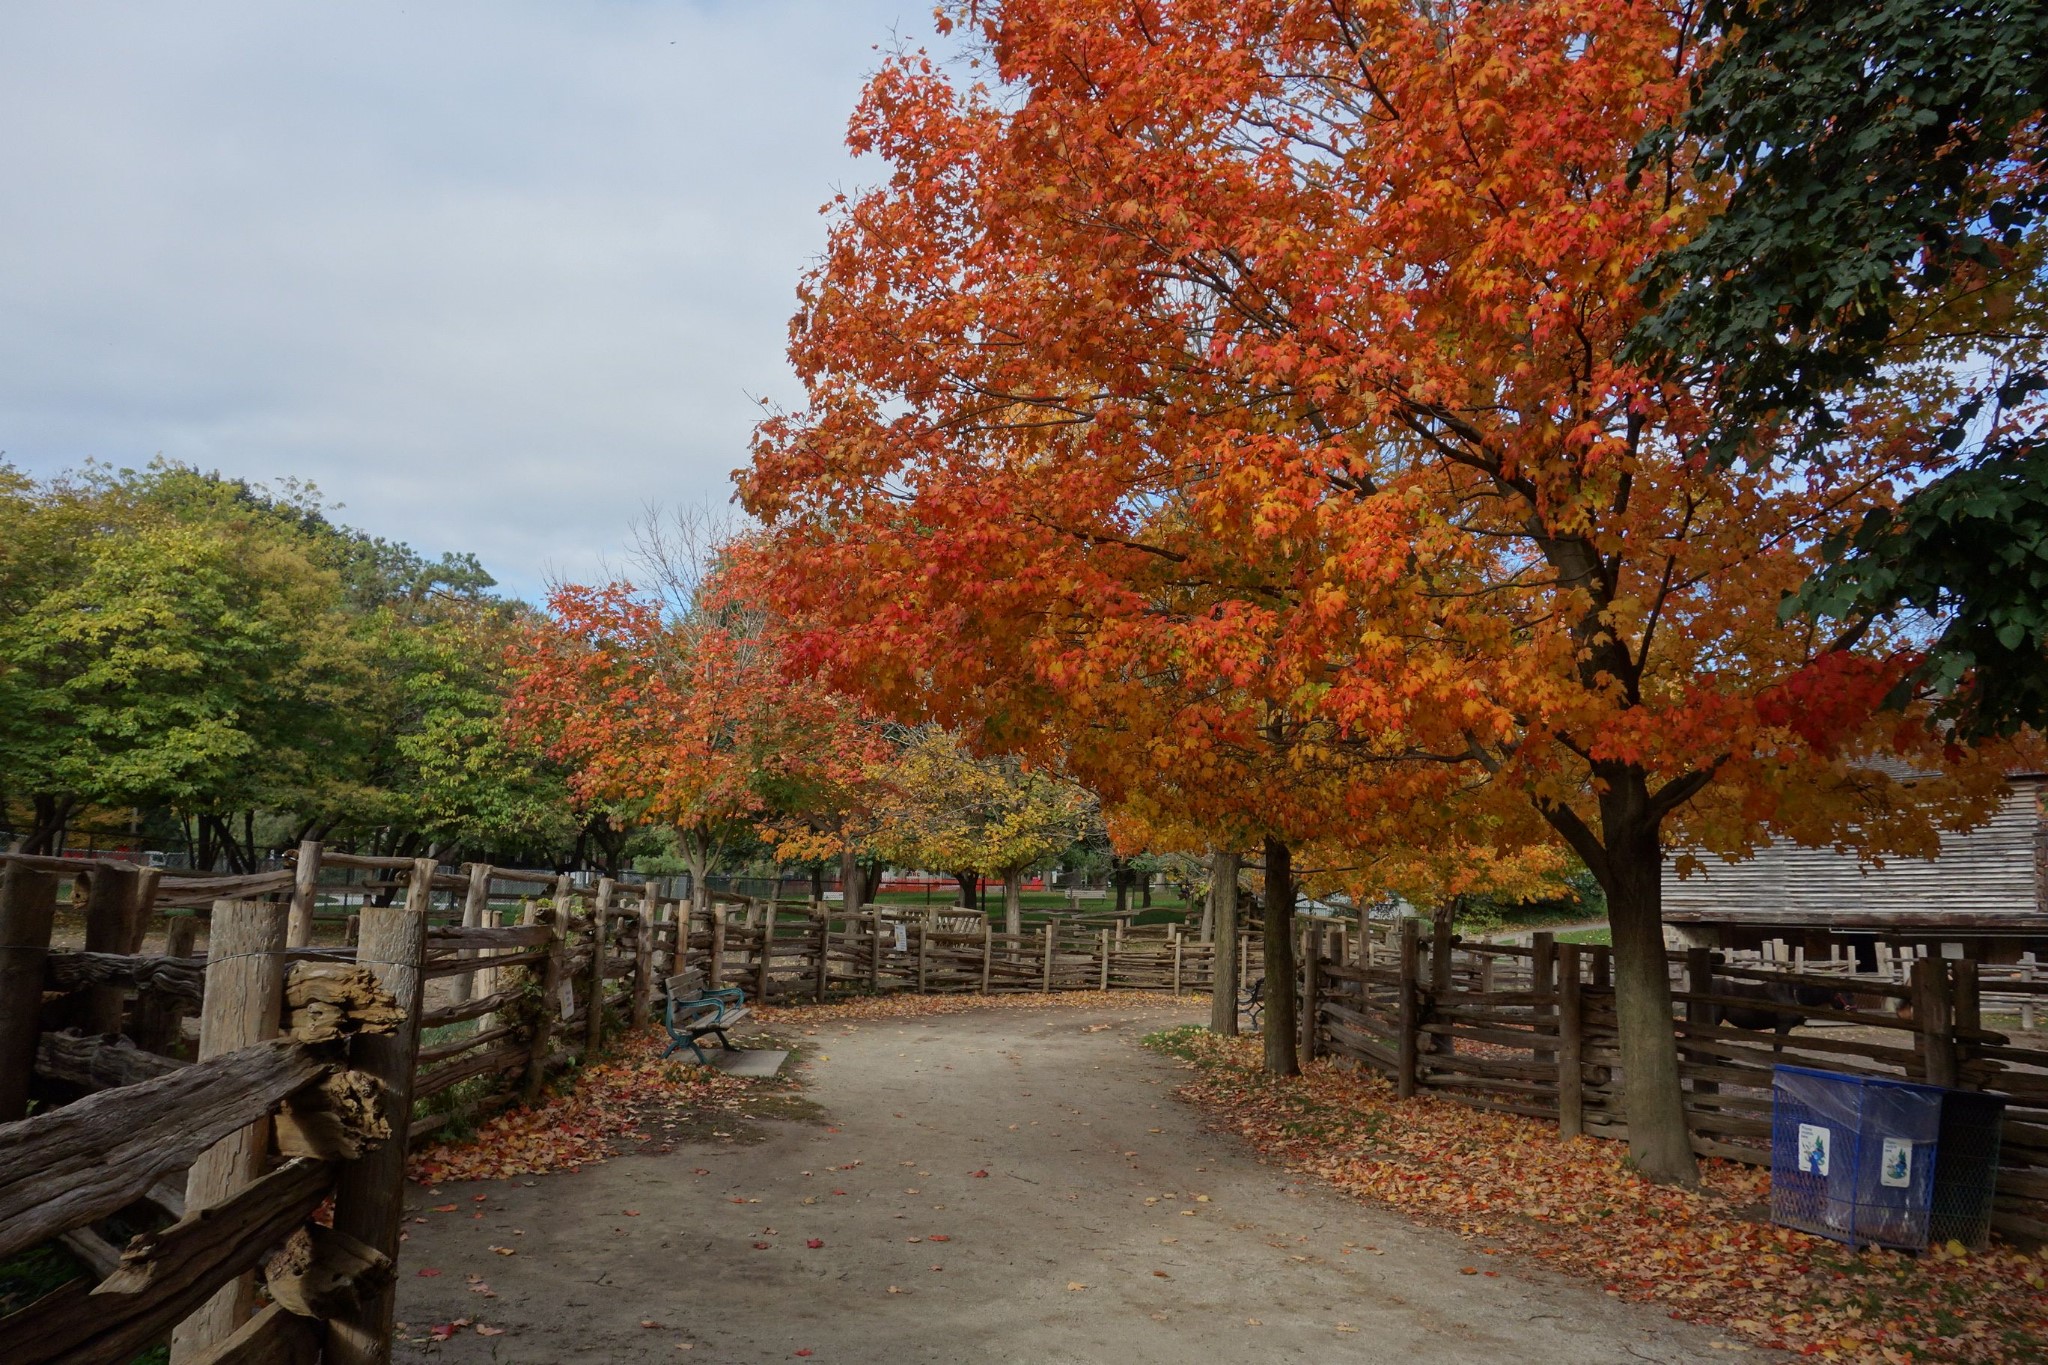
[1966, 1168]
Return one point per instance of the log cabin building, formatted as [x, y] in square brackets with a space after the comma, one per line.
[1984, 896]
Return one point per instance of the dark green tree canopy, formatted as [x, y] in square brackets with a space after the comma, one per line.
[1884, 155]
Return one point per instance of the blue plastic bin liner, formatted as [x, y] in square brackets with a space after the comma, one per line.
[1853, 1157]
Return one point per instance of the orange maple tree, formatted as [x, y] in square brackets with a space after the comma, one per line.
[690, 717]
[1244, 380]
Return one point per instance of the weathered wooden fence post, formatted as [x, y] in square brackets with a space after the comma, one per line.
[1543, 981]
[643, 959]
[822, 983]
[1933, 1016]
[1440, 958]
[924, 936]
[369, 1196]
[1699, 980]
[28, 909]
[1178, 943]
[766, 960]
[1405, 1009]
[1051, 931]
[1571, 1024]
[476, 899]
[593, 1021]
[1311, 990]
[242, 1006]
[1105, 944]
[683, 914]
[717, 977]
[988, 931]
[1966, 1015]
[547, 1008]
[298, 931]
[109, 908]
[1968, 994]
[157, 1014]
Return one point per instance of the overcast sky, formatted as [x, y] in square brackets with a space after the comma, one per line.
[494, 275]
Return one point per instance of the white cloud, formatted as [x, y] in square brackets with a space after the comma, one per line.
[492, 274]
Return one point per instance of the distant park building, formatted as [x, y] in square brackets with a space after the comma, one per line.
[1982, 895]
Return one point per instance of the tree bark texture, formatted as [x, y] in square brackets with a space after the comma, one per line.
[1281, 1023]
[1013, 901]
[1221, 918]
[1659, 1143]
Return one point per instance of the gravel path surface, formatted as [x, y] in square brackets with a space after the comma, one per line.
[1000, 1185]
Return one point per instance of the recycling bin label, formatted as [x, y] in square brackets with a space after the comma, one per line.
[1897, 1168]
[1814, 1140]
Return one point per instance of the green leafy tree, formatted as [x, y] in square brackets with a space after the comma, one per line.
[1890, 170]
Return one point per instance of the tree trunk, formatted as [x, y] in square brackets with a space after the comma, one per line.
[1145, 892]
[1280, 1029]
[697, 849]
[817, 881]
[1627, 859]
[1220, 921]
[45, 836]
[1121, 877]
[1659, 1144]
[1013, 901]
[849, 879]
[967, 880]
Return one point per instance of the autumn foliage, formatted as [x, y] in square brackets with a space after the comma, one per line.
[1246, 382]
[1514, 1189]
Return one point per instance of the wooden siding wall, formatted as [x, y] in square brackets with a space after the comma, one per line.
[1991, 870]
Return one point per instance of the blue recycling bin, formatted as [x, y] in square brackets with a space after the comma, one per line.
[1853, 1157]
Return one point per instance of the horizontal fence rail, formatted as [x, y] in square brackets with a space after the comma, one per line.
[326, 1043]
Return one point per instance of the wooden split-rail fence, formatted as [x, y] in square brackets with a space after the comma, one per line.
[1533, 1031]
[240, 1193]
[271, 1155]
[238, 1190]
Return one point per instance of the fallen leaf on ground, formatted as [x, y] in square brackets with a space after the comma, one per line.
[1573, 1205]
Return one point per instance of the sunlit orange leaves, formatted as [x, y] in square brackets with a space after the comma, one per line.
[1234, 398]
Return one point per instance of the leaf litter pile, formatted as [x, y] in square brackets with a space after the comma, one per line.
[1709, 1256]
[611, 1107]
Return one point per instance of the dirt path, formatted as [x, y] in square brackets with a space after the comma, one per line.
[1109, 1226]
